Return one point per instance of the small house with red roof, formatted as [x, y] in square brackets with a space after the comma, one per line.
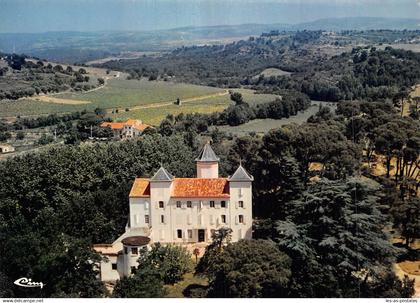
[126, 130]
[184, 211]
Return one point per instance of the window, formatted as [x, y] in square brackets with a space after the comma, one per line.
[179, 233]
[241, 219]
[178, 204]
[162, 219]
[161, 204]
[223, 204]
[190, 234]
[189, 204]
[134, 251]
[114, 266]
[211, 203]
[223, 219]
[241, 204]
[125, 250]
[146, 219]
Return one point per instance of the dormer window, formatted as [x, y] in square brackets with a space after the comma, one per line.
[161, 204]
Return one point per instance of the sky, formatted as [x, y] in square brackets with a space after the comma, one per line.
[141, 15]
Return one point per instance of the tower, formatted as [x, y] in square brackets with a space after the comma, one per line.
[207, 163]
[240, 188]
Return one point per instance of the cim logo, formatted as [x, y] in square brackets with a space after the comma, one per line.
[25, 282]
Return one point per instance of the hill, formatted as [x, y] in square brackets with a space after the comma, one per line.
[81, 47]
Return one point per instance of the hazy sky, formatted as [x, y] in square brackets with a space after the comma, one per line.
[97, 15]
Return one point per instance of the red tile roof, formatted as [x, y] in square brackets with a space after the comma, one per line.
[140, 188]
[137, 124]
[113, 125]
[132, 122]
[141, 127]
[200, 188]
[186, 188]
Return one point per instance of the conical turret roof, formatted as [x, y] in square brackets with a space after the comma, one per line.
[162, 175]
[207, 154]
[241, 175]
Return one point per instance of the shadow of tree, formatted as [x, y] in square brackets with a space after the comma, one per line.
[195, 291]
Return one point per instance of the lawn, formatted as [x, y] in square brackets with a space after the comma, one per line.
[177, 290]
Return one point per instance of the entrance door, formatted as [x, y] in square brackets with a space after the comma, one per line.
[201, 235]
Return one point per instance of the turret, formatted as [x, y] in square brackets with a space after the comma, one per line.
[207, 163]
[240, 189]
[160, 187]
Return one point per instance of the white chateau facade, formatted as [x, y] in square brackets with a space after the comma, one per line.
[182, 211]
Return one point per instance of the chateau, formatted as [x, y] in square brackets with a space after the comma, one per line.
[185, 211]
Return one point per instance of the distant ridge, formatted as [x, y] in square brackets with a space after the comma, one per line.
[360, 23]
[66, 46]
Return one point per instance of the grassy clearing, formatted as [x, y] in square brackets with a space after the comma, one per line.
[176, 290]
[264, 125]
[268, 72]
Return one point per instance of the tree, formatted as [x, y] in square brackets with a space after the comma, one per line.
[69, 70]
[101, 81]
[45, 139]
[4, 136]
[170, 261]
[69, 270]
[220, 238]
[249, 269]
[335, 230]
[406, 214]
[166, 128]
[236, 97]
[100, 111]
[20, 135]
[5, 286]
[196, 253]
[143, 284]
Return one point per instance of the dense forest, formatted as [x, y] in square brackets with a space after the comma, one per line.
[363, 73]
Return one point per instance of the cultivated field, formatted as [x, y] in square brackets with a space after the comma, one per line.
[155, 113]
[117, 93]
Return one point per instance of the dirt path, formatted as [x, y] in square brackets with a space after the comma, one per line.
[163, 104]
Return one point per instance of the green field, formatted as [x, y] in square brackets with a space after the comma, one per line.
[211, 104]
[118, 93]
[150, 101]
